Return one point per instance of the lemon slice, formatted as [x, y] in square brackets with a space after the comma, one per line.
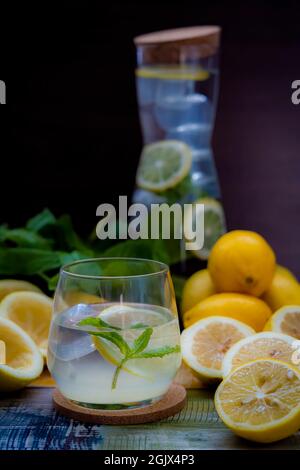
[132, 321]
[260, 400]
[285, 320]
[126, 317]
[214, 224]
[173, 73]
[267, 345]
[12, 285]
[205, 343]
[32, 312]
[163, 165]
[23, 362]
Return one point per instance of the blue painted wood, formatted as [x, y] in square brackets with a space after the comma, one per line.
[28, 421]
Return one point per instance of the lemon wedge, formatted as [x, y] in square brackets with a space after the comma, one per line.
[205, 343]
[260, 400]
[265, 345]
[23, 361]
[12, 285]
[32, 312]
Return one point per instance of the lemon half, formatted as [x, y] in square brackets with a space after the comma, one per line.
[32, 312]
[260, 400]
[286, 320]
[23, 361]
[265, 345]
[7, 286]
[205, 343]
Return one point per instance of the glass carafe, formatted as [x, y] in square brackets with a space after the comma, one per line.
[177, 81]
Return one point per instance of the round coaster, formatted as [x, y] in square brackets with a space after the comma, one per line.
[172, 402]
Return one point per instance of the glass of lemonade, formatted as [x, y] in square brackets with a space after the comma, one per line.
[114, 339]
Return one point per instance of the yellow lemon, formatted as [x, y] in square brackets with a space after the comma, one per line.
[260, 346]
[198, 287]
[260, 401]
[242, 261]
[250, 310]
[32, 312]
[12, 285]
[23, 361]
[285, 320]
[204, 344]
[283, 290]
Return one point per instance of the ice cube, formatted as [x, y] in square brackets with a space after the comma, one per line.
[73, 345]
[208, 182]
[178, 109]
[67, 341]
[197, 136]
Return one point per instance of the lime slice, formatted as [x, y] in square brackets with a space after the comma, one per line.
[173, 73]
[163, 165]
[214, 224]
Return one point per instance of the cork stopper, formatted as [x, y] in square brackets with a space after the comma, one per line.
[178, 45]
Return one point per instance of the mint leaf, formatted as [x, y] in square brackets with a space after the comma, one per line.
[25, 238]
[41, 220]
[159, 352]
[114, 338]
[141, 342]
[136, 326]
[97, 322]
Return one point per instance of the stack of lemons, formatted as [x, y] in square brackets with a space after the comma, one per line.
[242, 327]
[25, 314]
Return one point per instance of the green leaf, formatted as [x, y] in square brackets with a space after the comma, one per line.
[25, 238]
[40, 221]
[53, 281]
[30, 261]
[114, 338]
[27, 261]
[97, 322]
[70, 238]
[159, 352]
[137, 326]
[141, 342]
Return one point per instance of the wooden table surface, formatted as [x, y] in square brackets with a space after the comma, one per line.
[28, 421]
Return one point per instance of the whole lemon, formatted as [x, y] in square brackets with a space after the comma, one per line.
[245, 308]
[283, 290]
[242, 261]
[198, 287]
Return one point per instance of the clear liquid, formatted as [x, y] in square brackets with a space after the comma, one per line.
[84, 366]
[181, 109]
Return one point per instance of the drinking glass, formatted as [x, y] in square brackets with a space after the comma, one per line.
[114, 339]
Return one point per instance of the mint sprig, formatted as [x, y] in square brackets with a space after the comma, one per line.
[137, 351]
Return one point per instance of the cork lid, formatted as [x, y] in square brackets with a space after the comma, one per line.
[169, 45]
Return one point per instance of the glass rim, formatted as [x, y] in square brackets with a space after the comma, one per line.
[164, 268]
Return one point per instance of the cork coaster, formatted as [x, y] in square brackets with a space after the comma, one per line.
[170, 404]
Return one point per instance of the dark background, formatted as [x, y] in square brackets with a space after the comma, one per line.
[70, 136]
